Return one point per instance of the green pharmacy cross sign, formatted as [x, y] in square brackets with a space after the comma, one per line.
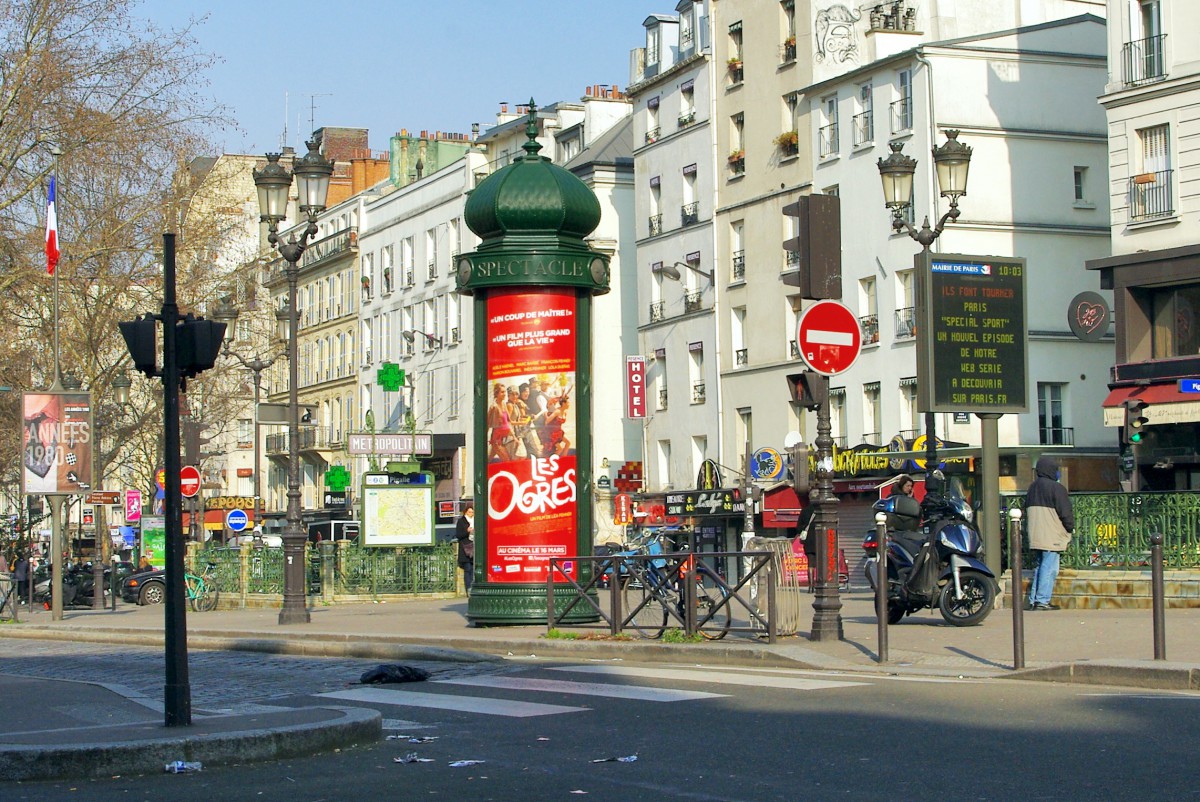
[337, 478]
[390, 377]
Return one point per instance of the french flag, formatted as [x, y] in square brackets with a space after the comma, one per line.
[51, 230]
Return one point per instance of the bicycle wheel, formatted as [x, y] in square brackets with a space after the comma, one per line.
[206, 595]
[643, 609]
[714, 600]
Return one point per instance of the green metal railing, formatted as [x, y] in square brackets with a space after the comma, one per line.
[348, 570]
[1112, 530]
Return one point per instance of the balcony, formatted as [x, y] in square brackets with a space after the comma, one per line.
[864, 128]
[310, 438]
[739, 265]
[1142, 60]
[432, 271]
[652, 135]
[873, 438]
[455, 335]
[828, 135]
[787, 51]
[906, 323]
[691, 301]
[337, 244]
[735, 71]
[741, 357]
[698, 393]
[901, 114]
[662, 399]
[657, 311]
[409, 279]
[687, 118]
[689, 213]
[1150, 196]
[791, 261]
[655, 224]
[870, 329]
[737, 162]
[1056, 436]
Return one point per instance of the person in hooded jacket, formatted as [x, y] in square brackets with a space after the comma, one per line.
[1050, 522]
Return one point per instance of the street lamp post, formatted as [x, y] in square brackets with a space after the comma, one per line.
[274, 184]
[952, 161]
[227, 313]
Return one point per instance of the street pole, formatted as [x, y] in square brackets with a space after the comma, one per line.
[989, 512]
[56, 556]
[827, 606]
[294, 610]
[257, 452]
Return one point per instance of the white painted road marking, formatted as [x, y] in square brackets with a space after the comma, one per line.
[714, 677]
[585, 688]
[445, 701]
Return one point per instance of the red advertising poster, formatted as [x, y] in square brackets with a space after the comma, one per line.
[532, 493]
[57, 443]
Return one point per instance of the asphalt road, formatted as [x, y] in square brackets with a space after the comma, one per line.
[697, 734]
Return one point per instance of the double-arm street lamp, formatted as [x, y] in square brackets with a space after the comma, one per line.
[228, 313]
[274, 184]
[952, 161]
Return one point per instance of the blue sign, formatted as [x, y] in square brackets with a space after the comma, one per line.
[237, 520]
[766, 463]
[1189, 385]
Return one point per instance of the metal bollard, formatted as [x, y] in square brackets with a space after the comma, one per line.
[1158, 594]
[114, 587]
[881, 585]
[1018, 605]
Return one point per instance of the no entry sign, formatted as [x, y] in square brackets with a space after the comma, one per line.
[189, 481]
[829, 337]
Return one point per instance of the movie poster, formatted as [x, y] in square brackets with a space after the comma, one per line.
[531, 474]
[57, 446]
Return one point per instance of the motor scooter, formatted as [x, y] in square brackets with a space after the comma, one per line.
[933, 556]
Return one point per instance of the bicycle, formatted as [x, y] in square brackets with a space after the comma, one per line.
[652, 592]
[203, 590]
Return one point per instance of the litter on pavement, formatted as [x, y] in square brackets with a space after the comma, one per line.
[390, 672]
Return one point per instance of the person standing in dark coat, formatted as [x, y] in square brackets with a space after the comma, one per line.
[1050, 521]
[464, 533]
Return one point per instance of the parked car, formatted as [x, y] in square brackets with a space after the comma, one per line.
[145, 587]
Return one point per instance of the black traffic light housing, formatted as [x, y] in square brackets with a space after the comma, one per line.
[199, 343]
[141, 340]
[1135, 421]
[809, 389]
[817, 246]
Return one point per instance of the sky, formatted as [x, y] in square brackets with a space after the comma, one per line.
[391, 64]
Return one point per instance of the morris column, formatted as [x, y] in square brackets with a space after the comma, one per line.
[532, 278]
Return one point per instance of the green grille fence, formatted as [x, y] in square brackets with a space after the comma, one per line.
[1112, 530]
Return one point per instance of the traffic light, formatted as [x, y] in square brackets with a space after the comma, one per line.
[1135, 421]
[809, 389]
[816, 250]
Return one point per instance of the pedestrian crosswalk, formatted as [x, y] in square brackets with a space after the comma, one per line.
[616, 682]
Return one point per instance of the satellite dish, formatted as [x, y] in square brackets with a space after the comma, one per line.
[792, 438]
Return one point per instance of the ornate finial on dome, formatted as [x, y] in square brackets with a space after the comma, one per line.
[532, 146]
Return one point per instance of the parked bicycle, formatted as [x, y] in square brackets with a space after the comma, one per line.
[653, 590]
[203, 590]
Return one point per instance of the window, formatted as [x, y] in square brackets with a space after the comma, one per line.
[1150, 191]
[872, 416]
[687, 103]
[658, 376]
[652, 125]
[430, 393]
[828, 132]
[245, 432]
[744, 436]
[1080, 185]
[696, 372]
[737, 331]
[1142, 58]
[687, 31]
[837, 415]
[906, 310]
[864, 121]
[788, 50]
[1051, 431]
[737, 249]
[431, 253]
[869, 303]
[653, 36]
[910, 417]
[737, 156]
[699, 452]
[664, 464]
[735, 53]
[454, 407]
[791, 111]
[902, 110]
[1174, 330]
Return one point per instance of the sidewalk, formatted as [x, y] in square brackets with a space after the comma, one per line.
[126, 733]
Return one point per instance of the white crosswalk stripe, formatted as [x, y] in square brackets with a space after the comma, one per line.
[584, 688]
[445, 701]
[710, 676]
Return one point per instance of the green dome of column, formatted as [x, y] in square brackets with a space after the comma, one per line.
[531, 197]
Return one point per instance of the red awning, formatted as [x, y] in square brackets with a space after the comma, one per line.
[1151, 394]
[780, 507]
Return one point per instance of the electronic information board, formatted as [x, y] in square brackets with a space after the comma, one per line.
[972, 353]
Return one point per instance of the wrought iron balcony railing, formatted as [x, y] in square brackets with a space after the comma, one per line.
[901, 114]
[657, 311]
[1150, 195]
[698, 393]
[870, 329]
[828, 134]
[689, 213]
[864, 128]
[1142, 60]
[691, 301]
[1056, 436]
[906, 323]
[739, 265]
[655, 224]
[742, 357]
[662, 399]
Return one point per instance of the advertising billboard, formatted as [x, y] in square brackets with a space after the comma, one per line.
[57, 443]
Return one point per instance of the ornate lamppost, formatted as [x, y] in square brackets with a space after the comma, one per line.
[274, 184]
[952, 161]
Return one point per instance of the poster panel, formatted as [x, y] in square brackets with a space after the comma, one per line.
[397, 515]
[57, 443]
[154, 540]
[531, 430]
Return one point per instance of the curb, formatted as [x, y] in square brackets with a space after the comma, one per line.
[1164, 676]
[204, 741]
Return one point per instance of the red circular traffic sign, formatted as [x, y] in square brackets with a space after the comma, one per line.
[829, 337]
[189, 481]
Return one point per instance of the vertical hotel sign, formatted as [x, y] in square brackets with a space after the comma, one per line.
[57, 444]
[635, 386]
[531, 474]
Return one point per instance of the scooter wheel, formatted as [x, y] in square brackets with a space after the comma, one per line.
[978, 598]
[895, 612]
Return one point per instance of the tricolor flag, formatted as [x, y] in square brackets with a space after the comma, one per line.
[51, 231]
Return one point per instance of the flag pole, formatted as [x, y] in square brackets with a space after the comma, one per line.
[55, 151]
